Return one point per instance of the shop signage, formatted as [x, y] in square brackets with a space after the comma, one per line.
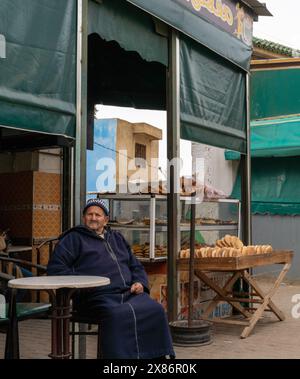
[2, 46]
[228, 15]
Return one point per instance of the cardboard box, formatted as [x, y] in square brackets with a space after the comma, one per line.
[202, 294]
[222, 310]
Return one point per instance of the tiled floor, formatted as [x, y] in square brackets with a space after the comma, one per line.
[270, 339]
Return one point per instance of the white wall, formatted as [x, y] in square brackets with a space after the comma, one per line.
[50, 161]
[219, 173]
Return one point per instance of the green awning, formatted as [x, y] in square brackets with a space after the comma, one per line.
[206, 33]
[283, 85]
[133, 29]
[274, 186]
[212, 88]
[212, 94]
[273, 138]
[38, 75]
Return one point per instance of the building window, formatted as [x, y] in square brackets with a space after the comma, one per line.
[140, 155]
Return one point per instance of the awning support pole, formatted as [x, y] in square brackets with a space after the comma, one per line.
[67, 189]
[81, 111]
[81, 125]
[246, 176]
[173, 151]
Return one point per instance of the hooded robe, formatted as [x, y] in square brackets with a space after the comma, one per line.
[132, 326]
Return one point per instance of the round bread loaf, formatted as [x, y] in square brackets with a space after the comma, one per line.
[209, 253]
[185, 253]
[202, 252]
[234, 252]
[221, 252]
[263, 249]
[221, 243]
[227, 240]
[228, 252]
[239, 252]
[225, 252]
[244, 250]
[269, 249]
[259, 249]
[238, 244]
[197, 253]
[251, 249]
[215, 252]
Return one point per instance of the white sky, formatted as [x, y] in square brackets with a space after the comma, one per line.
[283, 27]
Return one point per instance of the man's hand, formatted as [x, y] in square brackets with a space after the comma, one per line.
[137, 288]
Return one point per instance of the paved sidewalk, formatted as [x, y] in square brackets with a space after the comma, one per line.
[269, 339]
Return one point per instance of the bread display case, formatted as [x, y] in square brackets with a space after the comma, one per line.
[142, 219]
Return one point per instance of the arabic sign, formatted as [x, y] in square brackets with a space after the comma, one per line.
[2, 46]
[228, 15]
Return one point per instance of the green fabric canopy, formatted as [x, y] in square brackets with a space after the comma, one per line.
[204, 32]
[275, 142]
[275, 93]
[273, 138]
[212, 98]
[212, 88]
[134, 30]
[38, 75]
[274, 188]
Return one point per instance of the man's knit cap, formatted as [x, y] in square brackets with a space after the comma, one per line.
[96, 203]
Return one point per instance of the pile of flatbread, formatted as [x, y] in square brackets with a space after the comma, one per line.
[228, 246]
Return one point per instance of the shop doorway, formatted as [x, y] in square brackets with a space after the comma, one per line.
[34, 189]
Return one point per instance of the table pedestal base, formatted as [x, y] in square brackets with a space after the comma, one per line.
[60, 319]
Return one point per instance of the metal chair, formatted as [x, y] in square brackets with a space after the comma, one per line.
[77, 318]
[49, 244]
[14, 311]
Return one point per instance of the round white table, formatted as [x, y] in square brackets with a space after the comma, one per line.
[60, 289]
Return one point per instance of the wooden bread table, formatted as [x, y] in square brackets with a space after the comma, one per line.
[241, 269]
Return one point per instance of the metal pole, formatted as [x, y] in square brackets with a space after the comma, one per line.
[81, 110]
[192, 261]
[173, 151]
[246, 175]
[67, 189]
[72, 187]
[249, 214]
[248, 164]
[152, 226]
[81, 126]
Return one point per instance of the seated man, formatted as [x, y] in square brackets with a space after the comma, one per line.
[132, 324]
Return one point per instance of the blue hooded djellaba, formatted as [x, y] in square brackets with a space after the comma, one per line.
[133, 326]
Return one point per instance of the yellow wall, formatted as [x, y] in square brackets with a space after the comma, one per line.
[128, 134]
